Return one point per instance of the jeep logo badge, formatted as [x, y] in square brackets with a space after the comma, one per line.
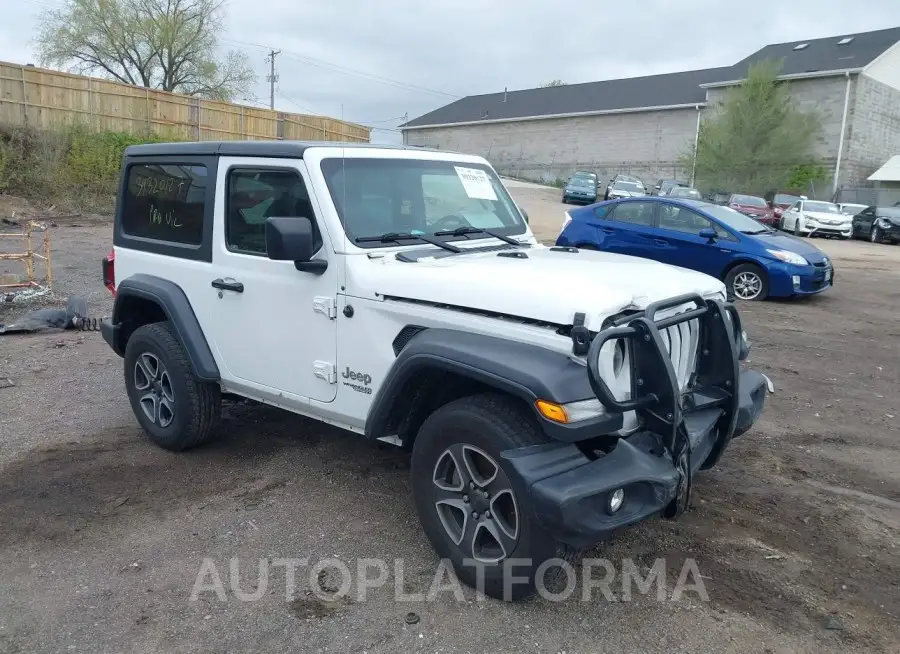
[362, 380]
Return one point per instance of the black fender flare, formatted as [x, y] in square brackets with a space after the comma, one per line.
[523, 370]
[173, 302]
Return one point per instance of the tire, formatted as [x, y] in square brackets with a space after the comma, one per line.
[565, 200]
[479, 428]
[875, 234]
[797, 228]
[184, 410]
[740, 275]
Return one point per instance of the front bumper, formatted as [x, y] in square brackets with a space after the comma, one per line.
[681, 433]
[579, 197]
[787, 280]
[844, 230]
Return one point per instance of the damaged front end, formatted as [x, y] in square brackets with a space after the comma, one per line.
[688, 397]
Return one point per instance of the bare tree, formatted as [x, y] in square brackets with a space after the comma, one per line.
[166, 44]
[553, 82]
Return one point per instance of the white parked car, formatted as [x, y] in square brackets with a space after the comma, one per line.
[816, 218]
[549, 396]
[850, 208]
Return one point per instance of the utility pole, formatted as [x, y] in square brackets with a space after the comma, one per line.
[271, 78]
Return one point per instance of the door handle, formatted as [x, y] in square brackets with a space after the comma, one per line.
[608, 230]
[660, 241]
[237, 287]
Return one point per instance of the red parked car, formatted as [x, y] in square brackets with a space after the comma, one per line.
[781, 201]
[755, 207]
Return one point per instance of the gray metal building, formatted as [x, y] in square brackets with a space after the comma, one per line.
[644, 125]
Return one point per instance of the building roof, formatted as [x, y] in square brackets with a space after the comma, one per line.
[660, 91]
[657, 91]
[817, 56]
[889, 172]
[284, 149]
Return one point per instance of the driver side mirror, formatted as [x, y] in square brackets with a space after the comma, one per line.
[709, 234]
[291, 239]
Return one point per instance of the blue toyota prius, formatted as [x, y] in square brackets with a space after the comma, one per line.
[753, 260]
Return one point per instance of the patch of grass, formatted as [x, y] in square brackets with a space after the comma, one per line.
[69, 165]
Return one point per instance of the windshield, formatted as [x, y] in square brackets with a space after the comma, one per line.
[417, 196]
[821, 207]
[634, 187]
[782, 198]
[731, 218]
[681, 192]
[853, 209]
[748, 200]
[582, 181]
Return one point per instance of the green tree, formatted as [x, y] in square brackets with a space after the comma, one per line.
[756, 139]
[553, 82]
[166, 44]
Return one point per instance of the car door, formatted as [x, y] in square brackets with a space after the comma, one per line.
[272, 326]
[862, 223]
[789, 217]
[626, 228]
[679, 243]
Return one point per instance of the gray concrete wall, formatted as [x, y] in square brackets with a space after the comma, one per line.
[645, 144]
[874, 134]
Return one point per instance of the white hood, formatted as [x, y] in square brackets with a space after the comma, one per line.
[548, 286]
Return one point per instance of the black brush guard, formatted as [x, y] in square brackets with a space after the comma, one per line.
[655, 393]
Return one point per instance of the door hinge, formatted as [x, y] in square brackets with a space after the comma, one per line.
[325, 370]
[326, 306]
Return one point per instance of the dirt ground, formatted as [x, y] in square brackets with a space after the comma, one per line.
[102, 535]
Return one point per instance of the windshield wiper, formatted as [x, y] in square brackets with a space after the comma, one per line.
[464, 231]
[402, 236]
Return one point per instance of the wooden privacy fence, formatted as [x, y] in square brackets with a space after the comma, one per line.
[40, 98]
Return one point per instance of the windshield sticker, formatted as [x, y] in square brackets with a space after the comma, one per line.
[476, 183]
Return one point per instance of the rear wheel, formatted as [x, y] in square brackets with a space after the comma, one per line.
[176, 410]
[747, 282]
[469, 502]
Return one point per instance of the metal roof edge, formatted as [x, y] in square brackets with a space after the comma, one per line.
[790, 76]
[575, 114]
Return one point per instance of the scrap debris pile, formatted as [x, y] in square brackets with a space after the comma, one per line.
[74, 316]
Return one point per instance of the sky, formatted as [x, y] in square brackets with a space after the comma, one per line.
[376, 61]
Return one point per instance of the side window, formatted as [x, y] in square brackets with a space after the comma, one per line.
[635, 213]
[681, 219]
[165, 202]
[255, 194]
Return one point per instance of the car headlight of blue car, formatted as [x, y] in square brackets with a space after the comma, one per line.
[789, 257]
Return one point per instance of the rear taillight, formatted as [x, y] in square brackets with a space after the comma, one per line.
[566, 221]
[109, 272]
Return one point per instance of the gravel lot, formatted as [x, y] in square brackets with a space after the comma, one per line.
[103, 535]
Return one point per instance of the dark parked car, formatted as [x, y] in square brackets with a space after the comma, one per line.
[580, 188]
[752, 260]
[878, 224]
[755, 207]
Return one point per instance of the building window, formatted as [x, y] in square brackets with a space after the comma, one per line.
[845, 40]
[800, 46]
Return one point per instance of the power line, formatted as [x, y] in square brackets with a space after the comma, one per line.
[348, 70]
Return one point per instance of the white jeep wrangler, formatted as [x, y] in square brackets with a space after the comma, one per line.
[549, 395]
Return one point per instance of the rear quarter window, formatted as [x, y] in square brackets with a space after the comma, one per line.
[165, 202]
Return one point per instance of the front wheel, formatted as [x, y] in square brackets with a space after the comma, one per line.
[176, 410]
[875, 234]
[468, 500]
[747, 282]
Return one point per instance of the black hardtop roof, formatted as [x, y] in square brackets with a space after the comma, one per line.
[283, 149]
